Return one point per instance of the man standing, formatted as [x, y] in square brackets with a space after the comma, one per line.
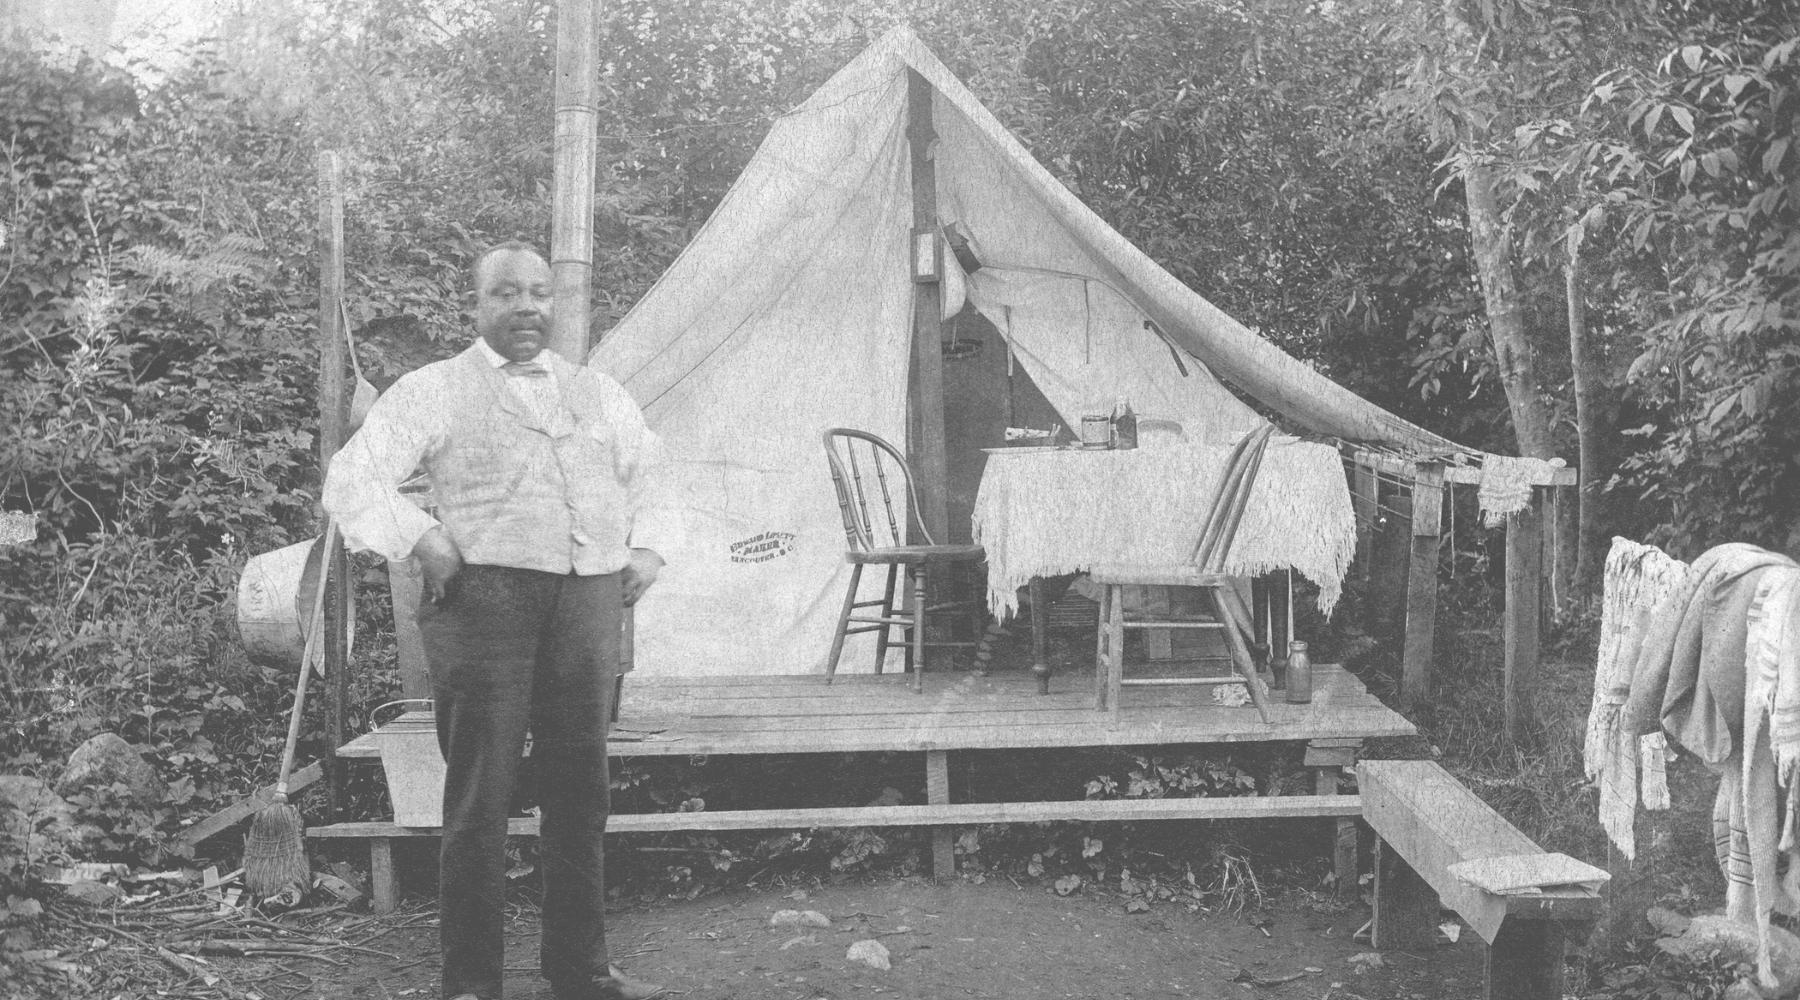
[545, 530]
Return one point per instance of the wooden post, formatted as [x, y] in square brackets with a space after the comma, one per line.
[572, 195]
[937, 792]
[1040, 623]
[1524, 574]
[1365, 500]
[1330, 757]
[384, 887]
[1525, 962]
[1406, 906]
[334, 425]
[1421, 581]
[927, 450]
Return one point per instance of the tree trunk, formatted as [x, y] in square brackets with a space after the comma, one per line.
[1506, 322]
[1596, 423]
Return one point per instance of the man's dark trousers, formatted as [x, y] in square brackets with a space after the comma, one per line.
[510, 650]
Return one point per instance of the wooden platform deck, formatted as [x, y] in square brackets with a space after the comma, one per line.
[958, 711]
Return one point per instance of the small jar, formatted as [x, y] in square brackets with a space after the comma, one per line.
[1299, 674]
[1096, 431]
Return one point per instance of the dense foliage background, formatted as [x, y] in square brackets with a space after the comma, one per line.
[1312, 166]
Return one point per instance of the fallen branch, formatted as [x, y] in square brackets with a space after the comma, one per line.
[158, 904]
[1246, 976]
[254, 949]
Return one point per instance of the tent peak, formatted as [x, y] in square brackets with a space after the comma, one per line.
[898, 36]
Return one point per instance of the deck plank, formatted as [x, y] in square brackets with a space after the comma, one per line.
[956, 711]
[966, 814]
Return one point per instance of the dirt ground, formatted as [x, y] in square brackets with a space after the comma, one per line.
[954, 939]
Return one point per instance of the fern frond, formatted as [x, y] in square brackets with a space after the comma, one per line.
[229, 257]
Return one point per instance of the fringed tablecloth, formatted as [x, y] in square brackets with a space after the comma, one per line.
[1049, 513]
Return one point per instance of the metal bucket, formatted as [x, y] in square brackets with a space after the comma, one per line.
[414, 766]
[415, 776]
[274, 599]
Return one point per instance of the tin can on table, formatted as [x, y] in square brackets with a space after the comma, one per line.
[1096, 430]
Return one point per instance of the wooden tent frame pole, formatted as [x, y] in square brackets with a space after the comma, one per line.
[926, 450]
[926, 395]
[575, 151]
[1526, 534]
[1422, 582]
[334, 427]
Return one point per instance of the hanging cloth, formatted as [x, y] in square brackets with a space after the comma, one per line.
[1638, 578]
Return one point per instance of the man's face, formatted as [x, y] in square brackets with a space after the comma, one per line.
[512, 303]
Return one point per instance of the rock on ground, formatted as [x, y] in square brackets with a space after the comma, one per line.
[107, 759]
[1714, 934]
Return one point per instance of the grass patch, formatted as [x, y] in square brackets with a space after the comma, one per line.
[1540, 785]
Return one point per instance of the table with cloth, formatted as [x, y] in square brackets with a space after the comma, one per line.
[1044, 512]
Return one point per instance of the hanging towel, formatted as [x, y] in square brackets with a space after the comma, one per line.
[1757, 824]
[1773, 648]
[1710, 674]
[1689, 674]
[1638, 578]
[1506, 485]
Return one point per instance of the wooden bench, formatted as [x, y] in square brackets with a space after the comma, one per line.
[385, 888]
[1441, 845]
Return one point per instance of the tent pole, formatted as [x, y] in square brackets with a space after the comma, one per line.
[573, 154]
[334, 427]
[927, 449]
[927, 395]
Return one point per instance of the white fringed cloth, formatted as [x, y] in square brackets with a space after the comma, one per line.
[1049, 513]
[1638, 578]
[1506, 485]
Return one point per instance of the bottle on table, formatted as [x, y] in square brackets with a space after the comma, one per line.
[1299, 674]
[1124, 425]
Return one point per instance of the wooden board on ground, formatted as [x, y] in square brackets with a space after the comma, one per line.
[246, 807]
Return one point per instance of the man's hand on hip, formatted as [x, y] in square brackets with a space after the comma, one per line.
[639, 574]
[440, 560]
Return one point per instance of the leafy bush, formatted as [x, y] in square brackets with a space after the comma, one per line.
[1192, 776]
[157, 386]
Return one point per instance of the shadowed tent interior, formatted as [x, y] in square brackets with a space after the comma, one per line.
[792, 311]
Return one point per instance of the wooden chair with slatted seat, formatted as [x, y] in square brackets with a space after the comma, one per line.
[868, 472]
[1204, 570]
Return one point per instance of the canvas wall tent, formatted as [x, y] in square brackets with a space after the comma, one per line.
[791, 312]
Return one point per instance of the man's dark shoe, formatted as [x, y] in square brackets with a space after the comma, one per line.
[616, 985]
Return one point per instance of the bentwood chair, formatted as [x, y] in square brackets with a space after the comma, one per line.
[870, 475]
[1204, 570]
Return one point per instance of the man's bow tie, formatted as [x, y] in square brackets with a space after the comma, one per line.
[526, 369]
